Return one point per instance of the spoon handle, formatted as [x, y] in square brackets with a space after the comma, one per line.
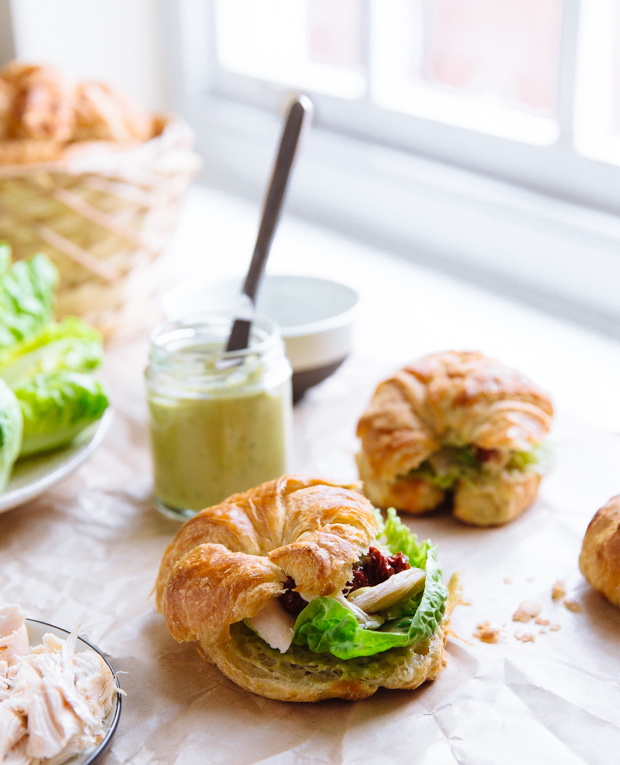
[299, 115]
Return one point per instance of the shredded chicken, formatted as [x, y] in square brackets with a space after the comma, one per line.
[53, 701]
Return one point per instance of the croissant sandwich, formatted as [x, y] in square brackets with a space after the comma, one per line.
[298, 591]
[455, 424]
[599, 560]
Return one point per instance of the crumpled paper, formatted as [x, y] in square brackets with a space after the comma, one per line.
[87, 553]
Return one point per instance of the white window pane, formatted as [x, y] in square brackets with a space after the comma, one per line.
[597, 101]
[508, 51]
[335, 33]
[314, 45]
[485, 65]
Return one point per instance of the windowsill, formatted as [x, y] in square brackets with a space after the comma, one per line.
[407, 310]
[557, 256]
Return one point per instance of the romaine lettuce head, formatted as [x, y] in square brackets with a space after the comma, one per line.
[56, 407]
[69, 345]
[327, 625]
[11, 425]
[26, 296]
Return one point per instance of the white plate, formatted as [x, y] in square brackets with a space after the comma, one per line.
[34, 475]
[36, 630]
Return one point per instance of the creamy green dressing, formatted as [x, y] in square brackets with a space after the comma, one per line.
[206, 449]
[219, 425]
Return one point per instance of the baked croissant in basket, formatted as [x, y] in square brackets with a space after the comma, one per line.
[599, 560]
[298, 592]
[455, 423]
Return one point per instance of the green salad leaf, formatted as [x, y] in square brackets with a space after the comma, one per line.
[56, 407]
[70, 344]
[327, 625]
[534, 459]
[398, 538]
[455, 463]
[26, 296]
[11, 425]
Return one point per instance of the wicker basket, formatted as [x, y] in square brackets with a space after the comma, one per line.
[102, 216]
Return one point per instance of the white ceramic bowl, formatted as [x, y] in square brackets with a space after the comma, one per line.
[315, 317]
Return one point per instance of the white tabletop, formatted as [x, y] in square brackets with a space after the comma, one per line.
[87, 552]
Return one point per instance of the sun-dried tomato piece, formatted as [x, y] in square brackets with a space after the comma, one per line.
[290, 600]
[376, 567]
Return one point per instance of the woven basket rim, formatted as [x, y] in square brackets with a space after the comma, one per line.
[175, 131]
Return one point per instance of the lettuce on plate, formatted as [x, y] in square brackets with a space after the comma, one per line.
[327, 625]
[26, 297]
[56, 407]
[11, 424]
[69, 345]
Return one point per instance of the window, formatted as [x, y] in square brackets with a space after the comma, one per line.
[481, 137]
[510, 88]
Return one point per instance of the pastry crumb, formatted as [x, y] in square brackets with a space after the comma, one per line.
[525, 637]
[558, 591]
[542, 632]
[507, 580]
[542, 622]
[530, 579]
[574, 606]
[526, 611]
[464, 601]
[486, 633]
[554, 627]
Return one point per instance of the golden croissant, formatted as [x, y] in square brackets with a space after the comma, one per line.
[599, 560]
[298, 591]
[455, 424]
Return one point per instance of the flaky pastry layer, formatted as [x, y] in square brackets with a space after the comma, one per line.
[228, 561]
[599, 560]
[452, 399]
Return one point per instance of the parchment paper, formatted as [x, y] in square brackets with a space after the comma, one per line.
[87, 553]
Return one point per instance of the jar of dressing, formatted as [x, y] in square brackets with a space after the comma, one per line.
[220, 422]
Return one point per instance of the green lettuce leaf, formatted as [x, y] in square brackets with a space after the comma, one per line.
[326, 625]
[26, 296]
[398, 538]
[459, 462]
[70, 345]
[534, 459]
[11, 425]
[56, 407]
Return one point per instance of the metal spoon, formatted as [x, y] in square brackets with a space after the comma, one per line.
[298, 119]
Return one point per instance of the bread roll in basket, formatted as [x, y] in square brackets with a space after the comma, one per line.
[95, 183]
[267, 582]
[455, 424]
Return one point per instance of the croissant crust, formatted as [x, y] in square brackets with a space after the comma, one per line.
[241, 551]
[227, 562]
[599, 560]
[451, 399]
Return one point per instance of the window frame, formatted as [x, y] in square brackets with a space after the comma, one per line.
[556, 170]
[551, 243]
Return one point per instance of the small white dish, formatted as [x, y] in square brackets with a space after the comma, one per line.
[315, 317]
[32, 476]
[36, 630]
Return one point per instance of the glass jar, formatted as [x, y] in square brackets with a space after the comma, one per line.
[220, 422]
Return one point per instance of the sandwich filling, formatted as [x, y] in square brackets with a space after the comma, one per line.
[472, 464]
[396, 598]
